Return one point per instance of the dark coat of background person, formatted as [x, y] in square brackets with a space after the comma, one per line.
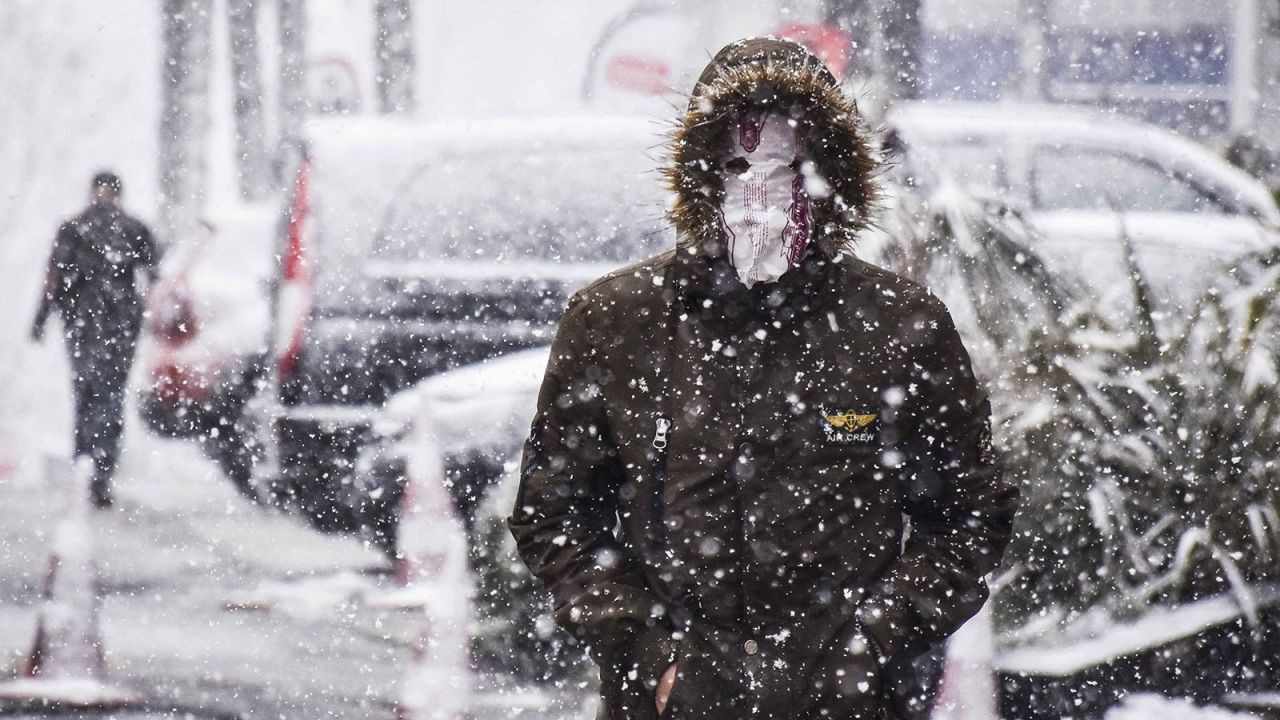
[763, 546]
[92, 283]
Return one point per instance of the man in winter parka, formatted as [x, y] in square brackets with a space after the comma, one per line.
[729, 434]
[93, 283]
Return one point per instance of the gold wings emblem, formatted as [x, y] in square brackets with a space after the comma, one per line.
[850, 421]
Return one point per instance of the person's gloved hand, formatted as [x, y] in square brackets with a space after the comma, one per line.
[37, 332]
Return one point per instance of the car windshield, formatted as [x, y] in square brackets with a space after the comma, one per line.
[1070, 178]
[564, 206]
[978, 167]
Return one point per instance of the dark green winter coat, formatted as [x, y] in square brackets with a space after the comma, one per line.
[718, 476]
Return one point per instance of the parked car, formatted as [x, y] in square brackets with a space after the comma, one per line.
[430, 246]
[1082, 178]
[406, 249]
[206, 333]
[477, 416]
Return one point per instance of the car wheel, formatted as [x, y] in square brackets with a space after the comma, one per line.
[235, 449]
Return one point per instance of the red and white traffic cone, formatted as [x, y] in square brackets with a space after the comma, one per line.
[66, 665]
[438, 684]
[968, 688]
[433, 570]
[431, 541]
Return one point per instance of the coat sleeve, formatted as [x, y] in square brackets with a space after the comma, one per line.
[60, 280]
[566, 509]
[961, 508]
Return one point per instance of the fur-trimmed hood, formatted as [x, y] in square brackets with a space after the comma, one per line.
[782, 75]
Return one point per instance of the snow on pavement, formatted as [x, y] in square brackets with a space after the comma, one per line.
[177, 544]
[212, 603]
[1155, 707]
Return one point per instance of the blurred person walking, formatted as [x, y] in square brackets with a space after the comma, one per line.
[729, 434]
[94, 282]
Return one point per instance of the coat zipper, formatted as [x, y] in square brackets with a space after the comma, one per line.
[662, 425]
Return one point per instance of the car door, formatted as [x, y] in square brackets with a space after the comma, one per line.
[1083, 197]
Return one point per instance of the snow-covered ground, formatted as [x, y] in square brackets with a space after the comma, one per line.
[178, 549]
[214, 604]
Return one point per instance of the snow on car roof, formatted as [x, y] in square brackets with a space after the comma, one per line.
[574, 188]
[949, 118]
[389, 134]
[489, 403]
[514, 373]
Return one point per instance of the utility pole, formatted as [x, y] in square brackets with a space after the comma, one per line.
[393, 49]
[292, 88]
[888, 35]
[1246, 36]
[246, 82]
[1269, 76]
[184, 116]
[1033, 51]
[900, 49]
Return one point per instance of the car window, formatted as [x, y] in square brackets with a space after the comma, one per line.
[1069, 178]
[564, 206]
[976, 167]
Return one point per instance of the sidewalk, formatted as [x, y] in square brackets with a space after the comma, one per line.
[189, 570]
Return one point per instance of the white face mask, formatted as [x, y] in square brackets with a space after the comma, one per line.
[766, 210]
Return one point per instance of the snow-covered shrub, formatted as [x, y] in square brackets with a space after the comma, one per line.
[1145, 449]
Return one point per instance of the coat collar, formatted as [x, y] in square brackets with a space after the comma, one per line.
[704, 277]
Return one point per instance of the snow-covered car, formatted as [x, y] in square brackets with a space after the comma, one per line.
[1082, 178]
[406, 249]
[206, 334]
[476, 417]
[432, 245]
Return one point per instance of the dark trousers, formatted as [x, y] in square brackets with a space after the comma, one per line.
[101, 356]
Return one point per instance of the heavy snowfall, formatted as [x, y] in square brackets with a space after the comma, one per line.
[640, 359]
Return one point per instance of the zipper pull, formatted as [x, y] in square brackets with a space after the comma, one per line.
[661, 426]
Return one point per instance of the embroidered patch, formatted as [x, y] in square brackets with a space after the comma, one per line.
[849, 426]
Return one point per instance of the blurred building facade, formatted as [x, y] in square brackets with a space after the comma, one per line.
[1199, 66]
[1207, 67]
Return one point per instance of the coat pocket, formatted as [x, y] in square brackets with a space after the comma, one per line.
[843, 679]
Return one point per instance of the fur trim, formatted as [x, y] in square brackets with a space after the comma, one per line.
[783, 76]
